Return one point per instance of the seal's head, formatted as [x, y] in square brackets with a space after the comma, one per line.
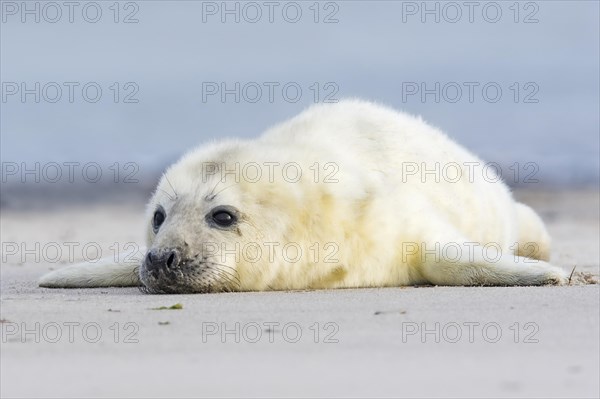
[237, 216]
[211, 219]
[193, 218]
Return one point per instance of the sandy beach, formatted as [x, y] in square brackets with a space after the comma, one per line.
[417, 342]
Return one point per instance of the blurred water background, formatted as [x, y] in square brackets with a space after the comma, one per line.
[161, 67]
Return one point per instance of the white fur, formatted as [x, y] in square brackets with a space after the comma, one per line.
[392, 226]
[104, 273]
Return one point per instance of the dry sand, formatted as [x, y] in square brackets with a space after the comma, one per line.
[514, 342]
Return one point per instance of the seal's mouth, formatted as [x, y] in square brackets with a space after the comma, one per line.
[192, 276]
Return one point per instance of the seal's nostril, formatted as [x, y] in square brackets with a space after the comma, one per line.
[158, 260]
[151, 263]
[171, 259]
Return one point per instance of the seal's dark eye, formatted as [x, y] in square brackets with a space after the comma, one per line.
[158, 218]
[223, 218]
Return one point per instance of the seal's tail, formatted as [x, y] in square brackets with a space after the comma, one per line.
[104, 273]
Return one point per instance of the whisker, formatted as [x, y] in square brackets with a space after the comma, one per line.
[249, 223]
[172, 188]
[216, 275]
[227, 276]
[167, 194]
[211, 196]
[220, 191]
[229, 279]
[233, 273]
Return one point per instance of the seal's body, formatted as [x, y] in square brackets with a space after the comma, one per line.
[343, 195]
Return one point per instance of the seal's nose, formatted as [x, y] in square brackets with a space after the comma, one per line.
[162, 259]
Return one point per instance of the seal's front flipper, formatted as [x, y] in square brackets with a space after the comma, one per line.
[104, 273]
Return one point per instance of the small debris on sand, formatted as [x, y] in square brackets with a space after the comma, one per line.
[177, 306]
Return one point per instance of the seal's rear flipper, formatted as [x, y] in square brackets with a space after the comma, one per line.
[104, 273]
[503, 271]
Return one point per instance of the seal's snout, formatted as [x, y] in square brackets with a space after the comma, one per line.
[164, 259]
